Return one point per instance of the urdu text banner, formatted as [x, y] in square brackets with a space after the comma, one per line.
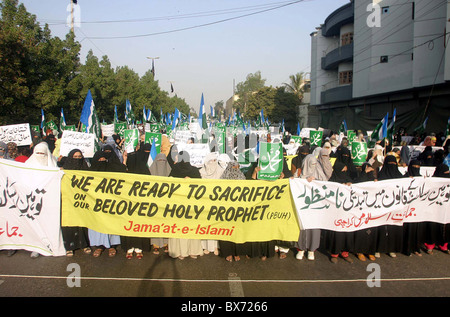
[333, 206]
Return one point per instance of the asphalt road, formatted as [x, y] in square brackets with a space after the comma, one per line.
[211, 277]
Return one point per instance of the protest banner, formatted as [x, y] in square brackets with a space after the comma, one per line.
[30, 209]
[270, 160]
[316, 137]
[119, 128]
[197, 152]
[152, 206]
[149, 136]
[359, 152]
[17, 133]
[131, 137]
[85, 142]
[107, 129]
[333, 206]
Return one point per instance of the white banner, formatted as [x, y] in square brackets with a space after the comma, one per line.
[17, 133]
[332, 206]
[30, 209]
[85, 142]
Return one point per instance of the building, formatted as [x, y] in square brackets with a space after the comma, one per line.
[370, 57]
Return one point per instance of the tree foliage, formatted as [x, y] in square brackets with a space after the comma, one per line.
[38, 71]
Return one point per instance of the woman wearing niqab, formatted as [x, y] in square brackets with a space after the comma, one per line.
[309, 239]
[339, 243]
[228, 249]
[365, 240]
[182, 248]
[438, 234]
[160, 167]
[75, 237]
[105, 160]
[390, 237]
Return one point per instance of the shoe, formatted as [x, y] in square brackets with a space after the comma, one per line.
[334, 259]
[299, 255]
[129, 255]
[377, 254]
[69, 253]
[311, 255]
[430, 251]
[283, 255]
[139, 255]
[372, 257]
[361, 257]
[34, 255]
[348, 259]
[392, 254]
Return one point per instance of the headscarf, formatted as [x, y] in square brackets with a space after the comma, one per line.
[232, 171]
[160, 166]
[137, 162]
[13, 152]
[3, 150]
[42, 156]
[211, 168]
[426, 157]
[165, 145]
[324, 162]
[412, 169]
[71, 163]
[365, 176]
[223, 160]
[111, 143]
[311, 168]
[110, 164]
[183, 167]
[339, 175]
[344, 156]
[442, 170]
[405, 154]
[389, 169]
[302, 152]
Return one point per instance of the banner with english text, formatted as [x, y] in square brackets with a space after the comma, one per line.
[150, 206]
[337, 207]
[30, 209]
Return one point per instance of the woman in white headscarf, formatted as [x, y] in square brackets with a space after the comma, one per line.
[42, 156]
[309, 239]
[211, 170]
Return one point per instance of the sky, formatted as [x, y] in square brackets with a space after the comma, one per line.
[202, 46]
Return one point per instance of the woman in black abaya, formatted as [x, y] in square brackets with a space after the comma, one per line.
[390, 237]
[412, 230]
[339, 243]
[438, 233]
[75, 237]
[136, 163]
[365, 240]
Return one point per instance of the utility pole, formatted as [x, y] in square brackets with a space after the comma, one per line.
[153, 64]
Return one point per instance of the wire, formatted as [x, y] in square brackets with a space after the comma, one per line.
[196, 26]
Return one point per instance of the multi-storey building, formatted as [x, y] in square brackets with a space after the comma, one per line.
[370, 57]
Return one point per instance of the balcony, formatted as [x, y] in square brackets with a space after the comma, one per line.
[336, 94]
[339, 55]
[343, 15]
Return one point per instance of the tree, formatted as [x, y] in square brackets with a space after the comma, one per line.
[296, 85]
[244, 90]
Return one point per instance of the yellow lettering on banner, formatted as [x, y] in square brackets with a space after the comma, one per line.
[152, 206]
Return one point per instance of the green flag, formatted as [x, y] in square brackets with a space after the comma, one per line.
[270, 160]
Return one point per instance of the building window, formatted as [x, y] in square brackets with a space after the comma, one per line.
[384, 59]
[347, 38]
[346, 77]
